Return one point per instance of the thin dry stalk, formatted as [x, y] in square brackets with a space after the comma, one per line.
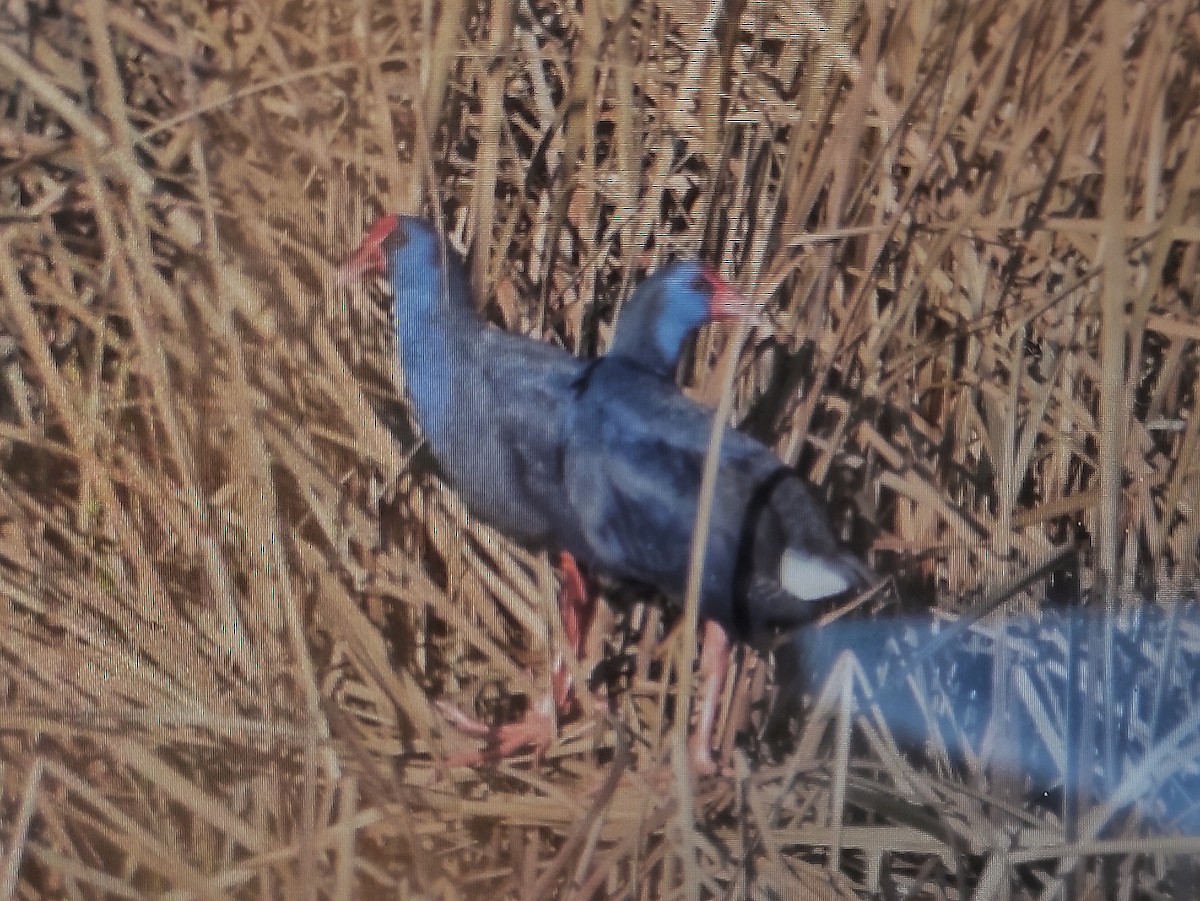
[233, 586]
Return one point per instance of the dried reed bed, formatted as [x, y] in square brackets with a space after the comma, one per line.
[231, 593]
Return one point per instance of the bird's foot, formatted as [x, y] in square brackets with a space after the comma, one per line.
[539, 727]
[704, 762]
[535, 731]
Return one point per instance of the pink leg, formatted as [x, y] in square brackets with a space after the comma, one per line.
[714, 665]
[534, 730]
[537, 728]
[577, 608]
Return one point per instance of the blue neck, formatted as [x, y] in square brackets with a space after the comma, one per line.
[434, 319]
[670, 333]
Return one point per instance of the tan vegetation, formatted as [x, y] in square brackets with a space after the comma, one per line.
[230, 594]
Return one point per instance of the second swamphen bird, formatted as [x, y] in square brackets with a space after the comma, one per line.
[634, 462]
[635, 451]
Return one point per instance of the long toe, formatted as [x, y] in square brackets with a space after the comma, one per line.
[535, 731]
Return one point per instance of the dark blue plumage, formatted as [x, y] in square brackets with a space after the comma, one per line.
[492, 405]
[667, 308]
[634, 459]
[604, 459]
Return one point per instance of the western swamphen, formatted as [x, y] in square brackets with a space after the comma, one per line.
[635, 448]
[634, 460]
[492, 407]
[491, 404]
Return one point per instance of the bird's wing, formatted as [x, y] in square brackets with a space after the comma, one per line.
[635, 460]
[517, 415]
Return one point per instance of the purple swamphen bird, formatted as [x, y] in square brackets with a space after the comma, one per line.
[492, 406]
[634, 460]
[635, 450]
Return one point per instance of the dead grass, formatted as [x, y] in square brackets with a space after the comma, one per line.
[230, 594]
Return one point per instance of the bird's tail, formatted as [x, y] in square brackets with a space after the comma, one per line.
[816, 576]
[809, 585]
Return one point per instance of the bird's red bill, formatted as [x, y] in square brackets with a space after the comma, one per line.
[369, 256]
[727, 302]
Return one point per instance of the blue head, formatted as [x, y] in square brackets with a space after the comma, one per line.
[407, 250]
[667, 308]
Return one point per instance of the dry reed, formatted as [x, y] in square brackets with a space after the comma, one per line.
[232, 589]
